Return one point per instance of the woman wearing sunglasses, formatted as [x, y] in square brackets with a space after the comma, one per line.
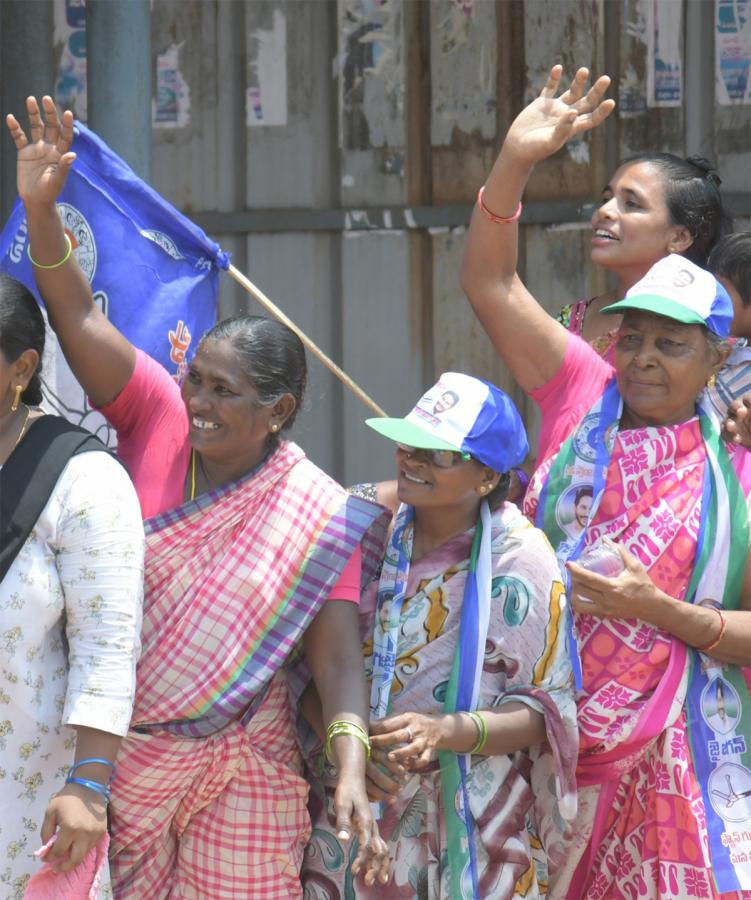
[472, 754]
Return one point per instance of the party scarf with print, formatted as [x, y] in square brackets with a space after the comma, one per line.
[464, 683]
[720, 743]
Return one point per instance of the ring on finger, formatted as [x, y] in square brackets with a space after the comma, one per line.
[409, 735]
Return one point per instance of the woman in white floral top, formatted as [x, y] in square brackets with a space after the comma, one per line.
[70, 612]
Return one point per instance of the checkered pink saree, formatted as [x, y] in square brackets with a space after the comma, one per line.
[208, 795]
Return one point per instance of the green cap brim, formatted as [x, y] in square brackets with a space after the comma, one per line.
[661, 306]
[405, 432]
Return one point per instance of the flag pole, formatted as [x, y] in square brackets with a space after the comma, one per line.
[259, 295]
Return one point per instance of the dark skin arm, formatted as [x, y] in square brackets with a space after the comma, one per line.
[332, 649]
[79, 813]
[99, 355]
[530, 342]
[414, 739]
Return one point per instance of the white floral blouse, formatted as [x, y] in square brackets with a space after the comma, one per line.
[70, 618]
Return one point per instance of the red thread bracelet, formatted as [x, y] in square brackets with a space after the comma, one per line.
[709, 647]
[497, 220]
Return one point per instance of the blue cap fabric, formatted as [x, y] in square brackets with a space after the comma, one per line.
[465, 414]
[678, 289]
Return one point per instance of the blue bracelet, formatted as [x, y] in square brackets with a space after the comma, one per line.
[93, 759]
[101, 789]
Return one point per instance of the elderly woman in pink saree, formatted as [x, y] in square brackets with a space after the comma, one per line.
[664, 769]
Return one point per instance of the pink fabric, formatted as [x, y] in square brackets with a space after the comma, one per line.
[152, 435]
[223, 818]
[348, 586]
[152, 440]
[569, 394]
[648, 837]
[80, 884]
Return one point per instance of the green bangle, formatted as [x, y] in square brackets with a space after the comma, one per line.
[482, 731]
[342, 726]
[54, 265]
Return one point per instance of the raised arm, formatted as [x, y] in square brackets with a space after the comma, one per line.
[530, 342]
[101, 358]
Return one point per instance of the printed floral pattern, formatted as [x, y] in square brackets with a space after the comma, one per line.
[70, 613]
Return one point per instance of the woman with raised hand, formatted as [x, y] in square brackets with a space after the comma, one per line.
[656, 640]
[71, 586]
[472, 712]
[252, 552]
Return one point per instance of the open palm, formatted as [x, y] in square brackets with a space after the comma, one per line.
[44, 160]
[547, 123]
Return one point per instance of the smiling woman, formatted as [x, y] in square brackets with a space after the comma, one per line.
[656, 640]
[252, 552]
[472, 710]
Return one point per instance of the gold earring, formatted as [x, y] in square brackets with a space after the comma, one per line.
[274, 428]
[17, 399]
[483, 490]
[712, 380]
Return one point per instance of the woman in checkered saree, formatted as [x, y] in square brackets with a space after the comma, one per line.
[252, 554]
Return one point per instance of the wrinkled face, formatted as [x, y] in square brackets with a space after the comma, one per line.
[631, 227]
[662, 366]
[421, 483]
[228, 424]
[582, 509]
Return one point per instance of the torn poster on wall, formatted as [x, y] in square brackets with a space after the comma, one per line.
[664, 57]
[372, 79]
[266, 95]
[171, 107]
[733, 52]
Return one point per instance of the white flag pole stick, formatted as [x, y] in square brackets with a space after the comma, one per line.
[258, 294]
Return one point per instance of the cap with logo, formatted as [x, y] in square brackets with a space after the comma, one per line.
[464, 414]
[678, 289]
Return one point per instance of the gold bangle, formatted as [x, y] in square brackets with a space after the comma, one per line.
[709, 647]
[342, 726]
[54, 265]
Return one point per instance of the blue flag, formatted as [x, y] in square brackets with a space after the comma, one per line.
[153, 272]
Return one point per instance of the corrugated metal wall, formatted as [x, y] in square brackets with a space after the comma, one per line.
[335, 148]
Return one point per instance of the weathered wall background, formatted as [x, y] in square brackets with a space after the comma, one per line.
[335, 148]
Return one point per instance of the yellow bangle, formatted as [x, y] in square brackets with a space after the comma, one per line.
[54, 265]
[482, 731]
[342, 726]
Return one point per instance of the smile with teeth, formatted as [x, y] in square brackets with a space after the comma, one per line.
[203, 425]
[601, 233]
[413, 478]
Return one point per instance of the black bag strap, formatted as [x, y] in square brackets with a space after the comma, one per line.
[30, 474]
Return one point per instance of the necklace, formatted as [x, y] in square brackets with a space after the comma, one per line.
[192, 475]
[23, 428]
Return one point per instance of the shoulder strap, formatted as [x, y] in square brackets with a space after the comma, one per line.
[29, 476]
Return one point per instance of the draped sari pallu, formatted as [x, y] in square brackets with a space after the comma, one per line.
[233, 579]
[489, 831]
[664, 731]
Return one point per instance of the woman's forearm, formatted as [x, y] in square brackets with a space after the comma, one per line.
[332, 648]
[699, 626]
[101, 358]
[91, 743]
[511, 727]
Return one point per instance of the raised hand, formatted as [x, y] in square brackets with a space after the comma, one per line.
[45, 159]
[544, 126]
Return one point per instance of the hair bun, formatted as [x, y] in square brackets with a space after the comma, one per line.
[706, 169]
